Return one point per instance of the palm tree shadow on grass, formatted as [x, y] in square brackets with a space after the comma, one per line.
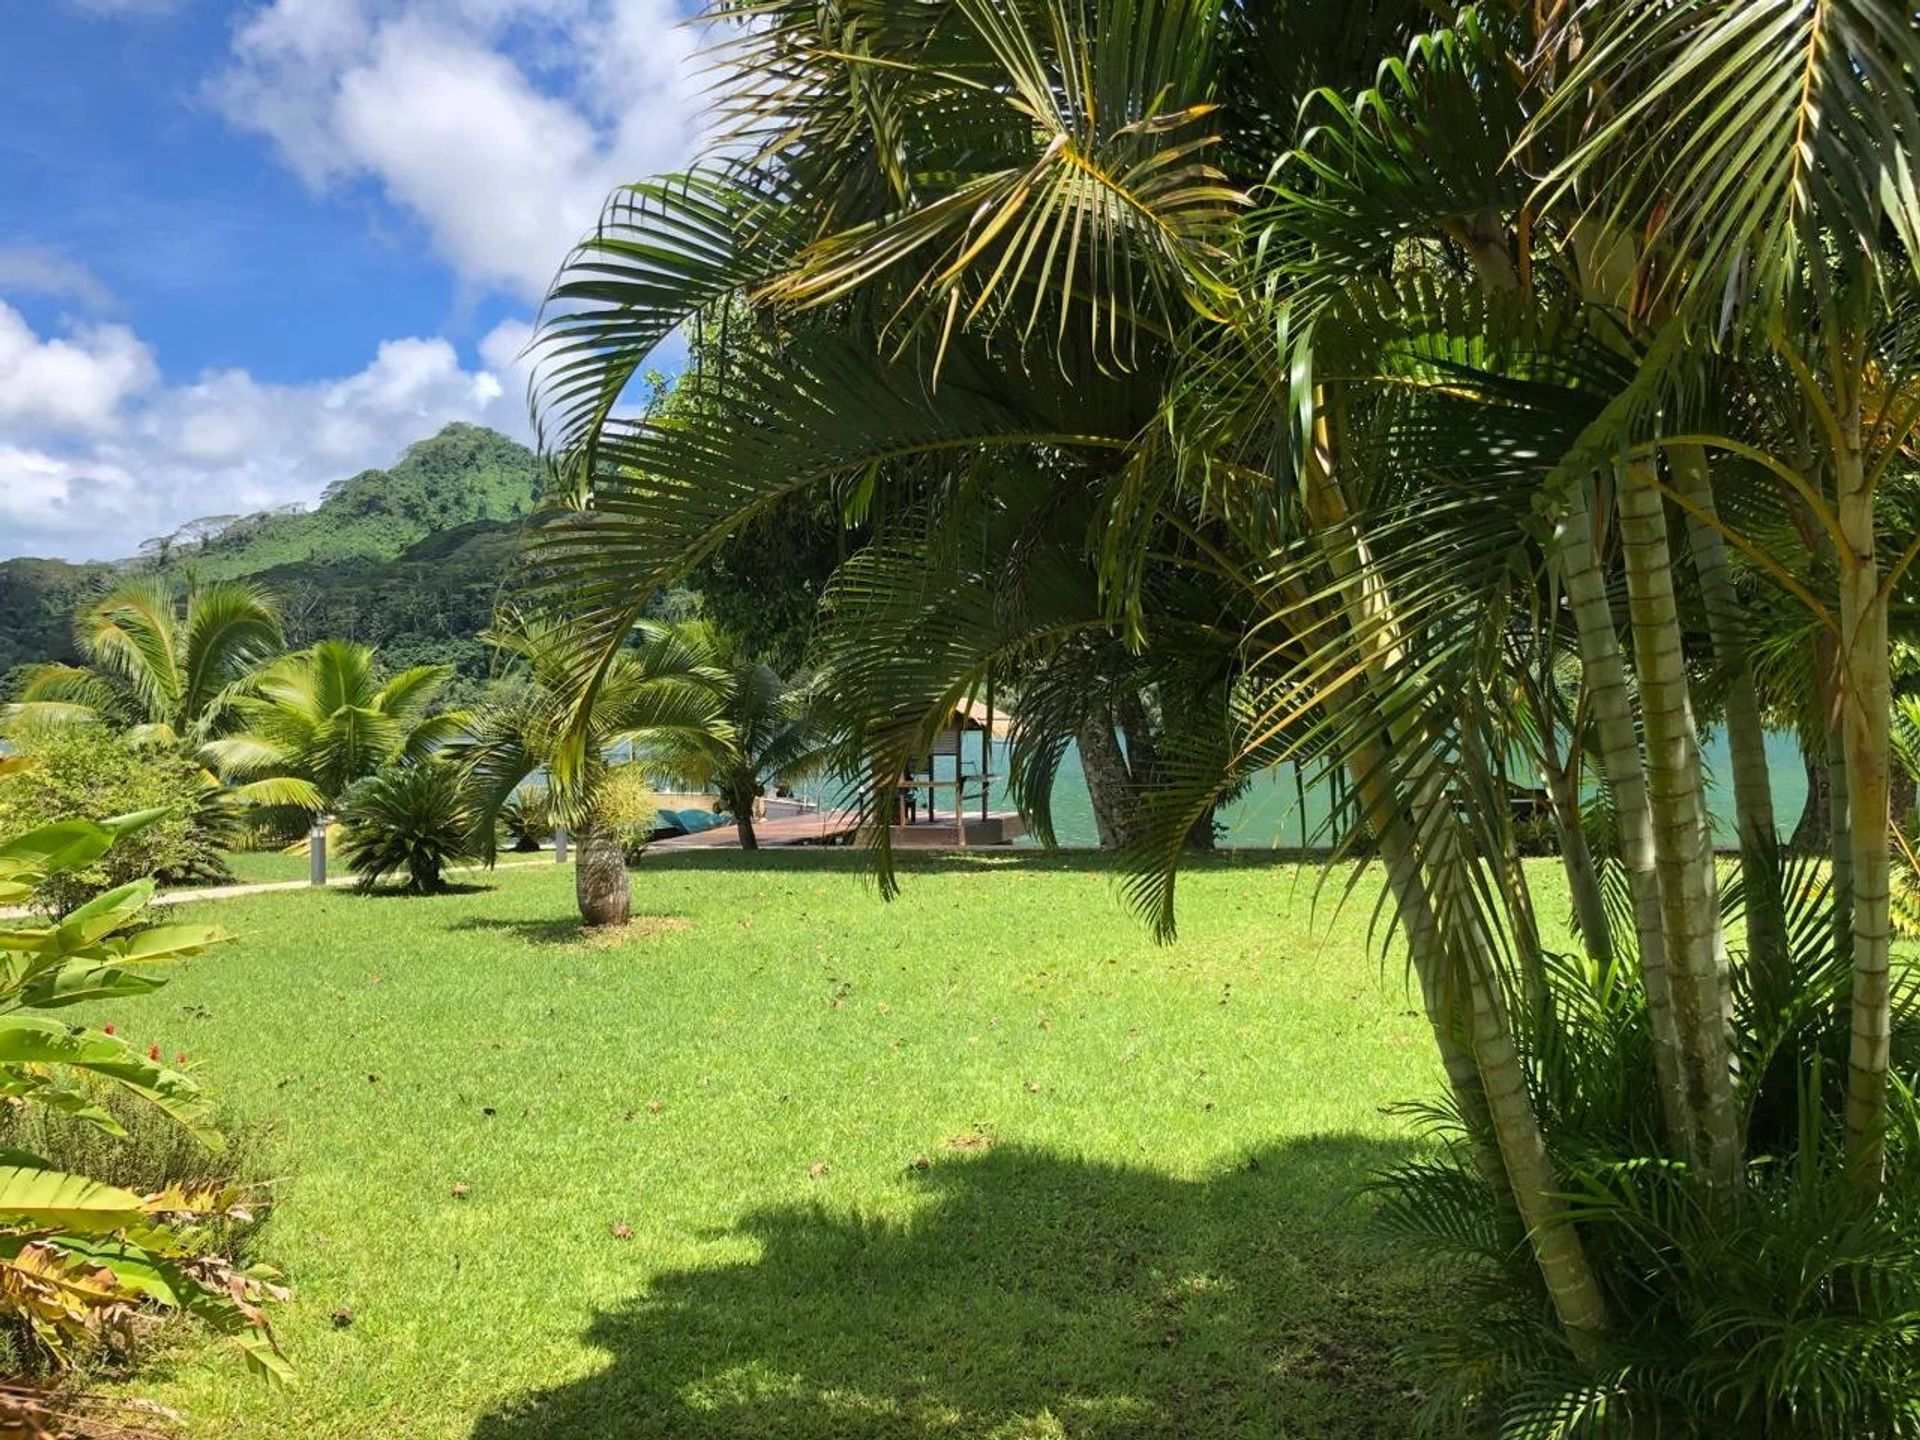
[1034, 1296]
[568, 931]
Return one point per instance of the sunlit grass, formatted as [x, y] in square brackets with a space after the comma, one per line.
[789, 1161]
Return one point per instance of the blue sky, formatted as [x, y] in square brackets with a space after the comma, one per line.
[252, 247]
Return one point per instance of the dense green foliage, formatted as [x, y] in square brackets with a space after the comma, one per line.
[1071, 1182]
[38, 599]
[90, 773]
[315, 721]
[80, 1256]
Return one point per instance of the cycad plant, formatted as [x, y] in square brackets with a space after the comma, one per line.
[659, 703]
[1475, 363]
[316, 721]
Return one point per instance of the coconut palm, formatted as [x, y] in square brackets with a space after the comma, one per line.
[660, 703]
[316, 721]
[1439, 425]
[166, 661]
[777, 738]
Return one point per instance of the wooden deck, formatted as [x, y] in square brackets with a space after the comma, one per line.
[813, 827]
[831, 827]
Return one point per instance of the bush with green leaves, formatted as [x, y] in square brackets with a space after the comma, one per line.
[527, 818]
[81, 1256]
[414, 816]
[85, 770]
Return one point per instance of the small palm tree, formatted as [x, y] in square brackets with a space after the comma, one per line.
[166, 662]
[662, 698]
[320, 719]
[776, 738]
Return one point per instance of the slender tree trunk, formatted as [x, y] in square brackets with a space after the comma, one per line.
[1814, 832]
[740, 801]
[1866, 705]
[1606, 679]
[1840, 840]
[1108, 785]
[1576, 858]
[1454, 976]
[600, 885]
[1759, 831]
[1682, 830]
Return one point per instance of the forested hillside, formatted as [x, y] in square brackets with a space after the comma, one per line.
[409, 559]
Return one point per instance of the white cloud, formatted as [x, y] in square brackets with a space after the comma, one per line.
[499, 125]
[36, 270]
[68, 384]
[231, 444]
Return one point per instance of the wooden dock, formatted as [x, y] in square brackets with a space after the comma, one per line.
[810, 827]
[836, 827]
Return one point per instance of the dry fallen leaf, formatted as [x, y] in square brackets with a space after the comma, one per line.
[818, 1169]
[461, 1190]
[342, 1318]
[655, 1106]
[623, 1232]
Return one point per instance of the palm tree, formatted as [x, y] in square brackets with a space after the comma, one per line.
[1436, 424]
[776, 738]
[661, 699]
[317, 720]
[167, 662]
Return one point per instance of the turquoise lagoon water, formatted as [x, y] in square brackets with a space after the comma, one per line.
[1274, 814]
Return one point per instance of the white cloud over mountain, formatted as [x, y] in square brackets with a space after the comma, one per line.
[106, 457]
[497, 127]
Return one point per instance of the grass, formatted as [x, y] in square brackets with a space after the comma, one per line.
[792, 1162]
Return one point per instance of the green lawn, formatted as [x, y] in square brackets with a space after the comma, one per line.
[982, 1162]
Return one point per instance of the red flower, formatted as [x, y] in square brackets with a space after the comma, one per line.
[179, 1057]
[153, 1052]
[108, 1027]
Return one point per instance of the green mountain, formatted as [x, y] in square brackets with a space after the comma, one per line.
[410, 559]
[463, 475]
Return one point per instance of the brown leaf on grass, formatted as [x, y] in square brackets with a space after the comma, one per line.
[342, 1318]
[921, 1163]
[461, 1190]
[818, 1169]
[972, 1140]
[655, 1106]
[623, 1231]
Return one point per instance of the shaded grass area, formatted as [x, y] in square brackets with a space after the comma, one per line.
[791, 1161]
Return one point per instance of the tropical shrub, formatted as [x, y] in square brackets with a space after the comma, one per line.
[313, 722]
[526, 818]
[81, 1257]
[164, 660]
[413, 816]
[658, 705]
[89, 772]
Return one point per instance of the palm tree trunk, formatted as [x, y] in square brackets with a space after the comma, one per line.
[1606, 679]
[1683, 840]
[1108, 786]
[1866, 704]
[1576, 858]
[600, 885]
[1746, 735]
[1814, 832]
[1840, 840]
